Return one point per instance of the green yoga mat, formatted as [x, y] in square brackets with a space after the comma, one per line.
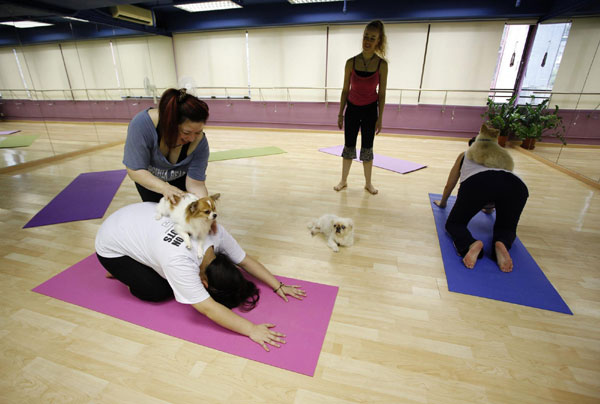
[18, 141]
[244, 153]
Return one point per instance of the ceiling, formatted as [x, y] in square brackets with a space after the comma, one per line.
[260, 13]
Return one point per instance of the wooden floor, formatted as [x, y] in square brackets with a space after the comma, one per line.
[397, 335]
[582, 160]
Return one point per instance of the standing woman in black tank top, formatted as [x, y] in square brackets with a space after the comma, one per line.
[363, 98]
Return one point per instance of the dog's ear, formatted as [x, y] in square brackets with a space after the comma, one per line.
[350, 223]
[215, 197]
[490, 131]
[192, 207]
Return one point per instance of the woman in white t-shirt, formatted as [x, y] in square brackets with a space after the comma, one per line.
[150, 258]
[480, 188]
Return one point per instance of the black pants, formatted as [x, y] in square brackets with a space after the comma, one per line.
[505, 190]
[362, 117]
[143, 281]
[151, 196]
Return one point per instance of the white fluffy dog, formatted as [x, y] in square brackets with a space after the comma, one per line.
[486, 151]
[337, 230]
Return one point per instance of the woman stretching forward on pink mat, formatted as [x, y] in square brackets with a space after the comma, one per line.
[150, 258]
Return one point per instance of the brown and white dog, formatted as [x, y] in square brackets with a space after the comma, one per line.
[337, 230]
[486, 150]
[192, 216]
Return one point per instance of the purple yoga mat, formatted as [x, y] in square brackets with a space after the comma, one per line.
[526, 284]
[87, 197]
[303, 322]
[8, 132]
[387, 163]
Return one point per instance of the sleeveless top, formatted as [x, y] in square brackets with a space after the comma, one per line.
[363, 89]
[469, 168]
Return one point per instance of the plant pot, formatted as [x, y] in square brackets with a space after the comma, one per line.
[528, 144]
[502, 140]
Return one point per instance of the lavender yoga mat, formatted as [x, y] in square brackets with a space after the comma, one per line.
[526, 284]
[8, 132]
[303, 322]
[387, 163]
[87, 197]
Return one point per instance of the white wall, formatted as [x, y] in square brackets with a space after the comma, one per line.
[145, 57]
[212, 59]
[579, 71]
[10, 78]
[461, 56]
[288, 57]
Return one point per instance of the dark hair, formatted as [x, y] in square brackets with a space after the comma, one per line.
[176, 107]
[227, 285]
[472, 140]
[382, 44]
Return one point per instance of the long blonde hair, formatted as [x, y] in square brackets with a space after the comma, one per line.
[382, 44]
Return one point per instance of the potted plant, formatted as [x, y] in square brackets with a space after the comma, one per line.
[533, 120]
[500, 115]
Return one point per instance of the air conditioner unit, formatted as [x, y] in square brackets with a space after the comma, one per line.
[134, 14]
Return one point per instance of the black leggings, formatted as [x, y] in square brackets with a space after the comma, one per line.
[151, 196]
[362, 117]
[505, 190]
[144, 282]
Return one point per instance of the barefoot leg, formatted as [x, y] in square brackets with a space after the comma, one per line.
[471, 257]
[503, 259]
[367, 169]
[346, 163]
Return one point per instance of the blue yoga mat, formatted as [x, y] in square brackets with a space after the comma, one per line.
[526, 284]
[87, 197]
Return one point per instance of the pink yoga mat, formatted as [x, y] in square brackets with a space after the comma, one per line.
[304, 322]
[8, 132]
[387, 163]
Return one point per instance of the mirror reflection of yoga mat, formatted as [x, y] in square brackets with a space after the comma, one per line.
[244, 153]
[385, 162]
[87, 197]
[526, 284]
[17, 141]
[303, 322]
[9, 132]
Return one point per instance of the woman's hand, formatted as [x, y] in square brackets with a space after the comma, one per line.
[169, 192]
[378, 126]
[441, 204]
[291, 290]
[340, 121]
[262, 335]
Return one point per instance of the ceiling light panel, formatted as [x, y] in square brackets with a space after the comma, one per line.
[25, 24]
[208, 6]
[310, 1]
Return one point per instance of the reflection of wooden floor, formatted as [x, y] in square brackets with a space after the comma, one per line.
[582, 160]
[396, 336]
[58, 138]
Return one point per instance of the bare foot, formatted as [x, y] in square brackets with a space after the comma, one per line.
[471, 258]
[503, 257]
[109, 275]
[371, 189]
[340, 186]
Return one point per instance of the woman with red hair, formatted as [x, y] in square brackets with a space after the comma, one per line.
[166, 151]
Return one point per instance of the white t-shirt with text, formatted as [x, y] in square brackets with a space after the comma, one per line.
[134, 232]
